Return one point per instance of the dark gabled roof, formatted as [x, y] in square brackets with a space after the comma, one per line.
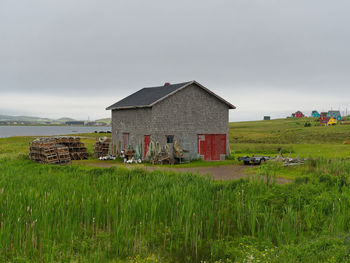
[147, 97]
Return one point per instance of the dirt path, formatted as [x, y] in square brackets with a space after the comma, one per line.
[224, 173]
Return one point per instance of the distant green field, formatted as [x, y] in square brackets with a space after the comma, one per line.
[105, 120]
[265, 137]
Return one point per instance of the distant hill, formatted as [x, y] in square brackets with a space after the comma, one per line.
[64, 119]
[105, 120]
[33, 119]
[22, 118]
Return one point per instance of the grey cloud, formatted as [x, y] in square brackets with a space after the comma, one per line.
[116, 47]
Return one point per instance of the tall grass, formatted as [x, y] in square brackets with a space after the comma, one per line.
[50, 213]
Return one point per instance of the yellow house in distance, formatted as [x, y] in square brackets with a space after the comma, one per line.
[332, 121]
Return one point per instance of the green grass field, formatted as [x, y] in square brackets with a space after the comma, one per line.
[265, 137]
[78, 213]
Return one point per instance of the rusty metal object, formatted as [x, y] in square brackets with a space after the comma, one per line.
[163, 159]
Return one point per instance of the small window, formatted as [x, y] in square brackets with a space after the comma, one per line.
[170, 139]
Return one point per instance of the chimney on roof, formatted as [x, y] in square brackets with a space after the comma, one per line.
[166, 84]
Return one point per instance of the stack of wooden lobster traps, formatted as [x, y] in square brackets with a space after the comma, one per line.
[43, 151]
[102, 146]
[57, 150]
[77, 149]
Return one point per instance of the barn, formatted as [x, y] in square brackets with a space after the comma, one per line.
[188, 113]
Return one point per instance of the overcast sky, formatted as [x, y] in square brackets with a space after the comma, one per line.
[268, 57]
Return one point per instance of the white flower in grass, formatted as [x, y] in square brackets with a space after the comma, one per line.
[33, 223]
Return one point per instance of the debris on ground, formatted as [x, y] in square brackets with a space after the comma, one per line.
[179, 154]
[132, 160]
[163, 156]
[167, 154]
[107, 158]
[153, 151]
[57, 150]
[156, 154]
[255, 159]
[130, 155]
[287, 161]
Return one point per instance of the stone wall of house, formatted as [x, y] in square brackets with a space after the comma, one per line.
[136, 122]
[187, 113]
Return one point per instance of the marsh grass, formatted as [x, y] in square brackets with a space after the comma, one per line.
[51, 213]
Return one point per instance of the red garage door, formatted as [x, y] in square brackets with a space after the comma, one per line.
[211, 146]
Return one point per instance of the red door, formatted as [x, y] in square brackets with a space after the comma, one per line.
[126, 140]
[219, 146]
[211, 146]
[147, 142]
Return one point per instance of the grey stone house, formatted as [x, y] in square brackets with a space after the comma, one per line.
[186, 112]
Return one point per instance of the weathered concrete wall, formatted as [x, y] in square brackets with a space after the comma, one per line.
[187, 113]
[136, 122]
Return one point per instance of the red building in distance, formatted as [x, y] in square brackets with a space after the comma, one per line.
[299, 114]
